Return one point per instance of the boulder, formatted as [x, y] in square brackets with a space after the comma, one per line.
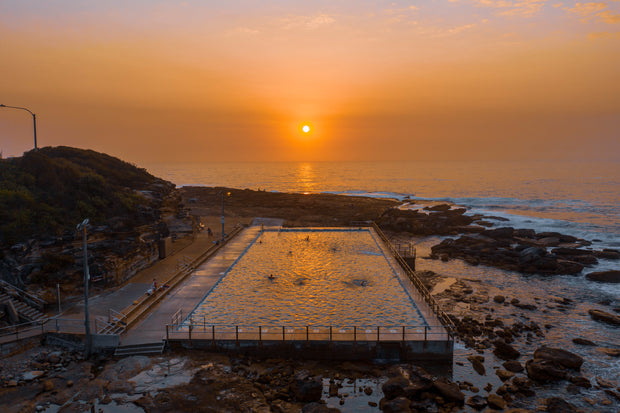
[499, 299]
[513, 366]
[545, 371]
[504, 374]
[315, 407]
[608, 254]
[496, 402]
[449, 391]
[395, 387]
[583, 342]
[604, 276]
[397, 405]
[605, 317]
[308, 390]
[559, 356]
[477, 402]
[558, 405]
[505, 351]
[476, 363]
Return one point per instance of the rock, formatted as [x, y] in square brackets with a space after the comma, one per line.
[372, 404]
[281, 406]
[477, 402]
[583, 342]
[496, 402]
[513, 365]
[318, 408]
[557, 405]
[70, 383]
[580, 381]
[368, 391]
[604, 276]
[308, 390]
[605, 317]
[611, 352]
[397, 405]
[505, 351]
[544, 370]
[48, 385]
[449, 391]
[333, 390]
[476, 363]
[548, 242]
[31, 375]
[608, 254]
[605, 384]
[499, 299]
[12, 383]
[395, 387]
[563, 357]
[504, 374]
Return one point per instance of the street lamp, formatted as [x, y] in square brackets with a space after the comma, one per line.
[81, 227]
[34, 121]
[227, 194]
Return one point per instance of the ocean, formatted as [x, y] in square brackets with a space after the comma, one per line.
[575, 198]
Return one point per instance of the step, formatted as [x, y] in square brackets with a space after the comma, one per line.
[144, 348]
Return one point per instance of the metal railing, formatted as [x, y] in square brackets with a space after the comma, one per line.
[445, 320]
[30, 299]
[36, 328]
[212, 332]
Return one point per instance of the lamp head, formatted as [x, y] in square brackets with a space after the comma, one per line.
[82, 225]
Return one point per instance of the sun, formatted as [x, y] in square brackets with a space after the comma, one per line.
[306, 128]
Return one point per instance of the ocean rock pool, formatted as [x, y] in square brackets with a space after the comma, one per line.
[310, 277]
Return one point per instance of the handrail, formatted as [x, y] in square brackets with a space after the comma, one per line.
[38, 301]
[430, 300]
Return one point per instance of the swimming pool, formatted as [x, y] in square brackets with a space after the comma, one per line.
[310, 277]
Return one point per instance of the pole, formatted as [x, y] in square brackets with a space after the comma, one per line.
[86, 279]
[58, 296]
[34, 121]
[222, 216]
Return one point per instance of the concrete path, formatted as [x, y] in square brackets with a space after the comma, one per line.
[194, 288]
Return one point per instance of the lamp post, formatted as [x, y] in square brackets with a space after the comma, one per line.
[82, 228]
[34, 121]
[223, 194]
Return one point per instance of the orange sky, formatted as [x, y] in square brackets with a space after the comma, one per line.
[162, 80]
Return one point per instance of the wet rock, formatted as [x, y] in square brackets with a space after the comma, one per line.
[544, 370]
[499, 299]
[48, 385]
[395, 387]
[368, 391]
[477, 402]
[449, 391]
[496, 402]
[557, 405]
[604, 276]
[559, 356]
[397, 405]
[31, 375]
[318, 408]
[308, 390]
[12, 383]
[608, 254]
[476, 363]
[581, 381]
[605, 317]
[513, 366]
[504, 374]
[505, 351]
[583, 342]
[611, 352]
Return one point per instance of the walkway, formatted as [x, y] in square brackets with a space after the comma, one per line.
[193, 289]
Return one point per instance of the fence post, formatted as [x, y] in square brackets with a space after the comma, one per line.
[260, 334]
[378, 329]
[283, 338]
[307, 334]
[354, 334]
[237, 335]
[204, 323]
[403, 333]
[425, 328]
[167, 335]
[213, 334]
[330, 334]
[190, 332]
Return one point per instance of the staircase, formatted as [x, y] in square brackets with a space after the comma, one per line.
[144, 348]
[24, 311]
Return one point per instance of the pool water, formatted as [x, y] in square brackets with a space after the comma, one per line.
[310, 277]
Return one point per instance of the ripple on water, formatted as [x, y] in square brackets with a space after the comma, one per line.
[300, 278]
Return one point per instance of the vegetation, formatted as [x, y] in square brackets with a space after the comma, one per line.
[48, 191]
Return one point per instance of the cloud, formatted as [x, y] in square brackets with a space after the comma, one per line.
[308, 22]
[522, 8]
[607, 17]
[603, 35]
[587, 9]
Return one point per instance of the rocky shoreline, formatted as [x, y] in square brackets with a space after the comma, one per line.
[503, 364]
